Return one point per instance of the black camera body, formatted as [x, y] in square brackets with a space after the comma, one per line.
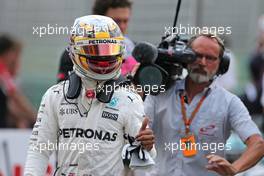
[161, 66]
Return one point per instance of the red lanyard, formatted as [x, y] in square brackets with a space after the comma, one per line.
[187, 122]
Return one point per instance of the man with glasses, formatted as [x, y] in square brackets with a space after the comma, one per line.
[193, 119]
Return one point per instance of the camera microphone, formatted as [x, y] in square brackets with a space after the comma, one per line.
[145, 53]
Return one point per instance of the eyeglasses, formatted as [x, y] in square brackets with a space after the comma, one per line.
[208, 58]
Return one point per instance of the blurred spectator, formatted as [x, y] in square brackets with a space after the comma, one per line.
[262, 104]
[260, 44]
[254, 89]
[120, 12]
[15, 109]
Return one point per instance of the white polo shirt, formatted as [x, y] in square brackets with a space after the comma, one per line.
[220, 113]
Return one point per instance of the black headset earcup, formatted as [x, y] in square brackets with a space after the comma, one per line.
[224, 63]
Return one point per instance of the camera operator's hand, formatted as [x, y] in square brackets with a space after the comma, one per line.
[220, 165]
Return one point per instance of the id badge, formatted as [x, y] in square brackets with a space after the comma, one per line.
[188, 145]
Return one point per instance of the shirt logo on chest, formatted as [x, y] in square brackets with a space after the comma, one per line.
[113, 102]
[68, 111]
[108, 115]
[208, 130]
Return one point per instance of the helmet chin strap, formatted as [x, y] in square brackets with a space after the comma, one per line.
[91, 83]
[87, 82]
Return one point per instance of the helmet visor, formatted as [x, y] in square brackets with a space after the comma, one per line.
[101, 65]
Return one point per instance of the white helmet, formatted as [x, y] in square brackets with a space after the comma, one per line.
[97, 47]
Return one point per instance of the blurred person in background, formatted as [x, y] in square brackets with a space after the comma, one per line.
[254, 89]
[15, 109]
[262, 104]
[120, 12]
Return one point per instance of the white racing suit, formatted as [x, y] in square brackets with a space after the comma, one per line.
[88, 135]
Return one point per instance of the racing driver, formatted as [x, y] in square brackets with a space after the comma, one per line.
[72, 113]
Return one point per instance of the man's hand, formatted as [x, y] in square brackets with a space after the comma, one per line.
[220, 165]
[145, 135]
